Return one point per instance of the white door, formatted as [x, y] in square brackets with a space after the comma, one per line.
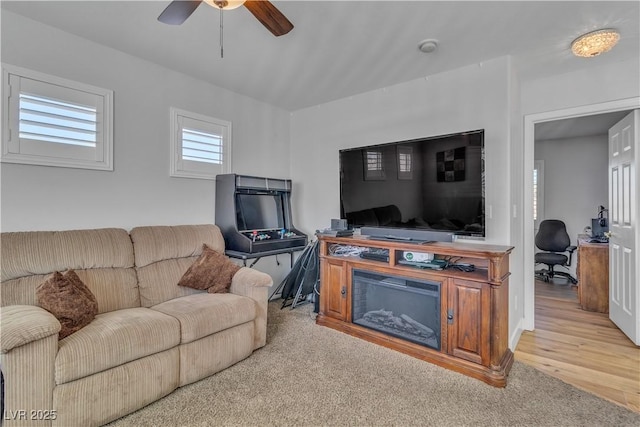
[624, 295]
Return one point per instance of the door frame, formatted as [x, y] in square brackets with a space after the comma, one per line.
[530, 121]
[540, 195]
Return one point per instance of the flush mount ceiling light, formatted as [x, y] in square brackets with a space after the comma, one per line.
[595, 43]
[428, 45]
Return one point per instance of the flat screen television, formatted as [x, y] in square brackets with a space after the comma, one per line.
[418, 189]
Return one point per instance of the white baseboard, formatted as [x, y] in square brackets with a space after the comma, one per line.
[515, 336]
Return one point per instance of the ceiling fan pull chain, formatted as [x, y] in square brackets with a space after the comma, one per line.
[221, 34]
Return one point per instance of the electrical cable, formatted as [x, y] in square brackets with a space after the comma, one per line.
[345, 250]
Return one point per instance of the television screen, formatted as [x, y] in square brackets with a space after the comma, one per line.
[259, 211]
[434, 184]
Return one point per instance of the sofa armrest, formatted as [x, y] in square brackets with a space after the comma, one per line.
[23, 324]
[29, 342]
[255, 285]
[246, 279]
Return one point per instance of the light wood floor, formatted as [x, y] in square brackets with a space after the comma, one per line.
[581, 348]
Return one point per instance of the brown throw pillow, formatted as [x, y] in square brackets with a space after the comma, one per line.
[211, 271]
[69, 300]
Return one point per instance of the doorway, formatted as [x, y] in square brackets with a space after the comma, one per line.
[530, 122]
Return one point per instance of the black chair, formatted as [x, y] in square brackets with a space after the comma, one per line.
[553, 239]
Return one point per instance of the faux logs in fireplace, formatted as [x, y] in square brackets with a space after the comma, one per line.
[398, 306]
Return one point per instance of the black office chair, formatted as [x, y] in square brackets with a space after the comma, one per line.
[553, 239]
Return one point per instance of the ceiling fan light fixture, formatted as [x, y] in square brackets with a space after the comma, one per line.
[225, 4]
[594, 43]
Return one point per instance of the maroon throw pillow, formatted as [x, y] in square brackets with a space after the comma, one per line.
[212, 271]
[69, 300]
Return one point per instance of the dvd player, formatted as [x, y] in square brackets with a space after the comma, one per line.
[376, 255]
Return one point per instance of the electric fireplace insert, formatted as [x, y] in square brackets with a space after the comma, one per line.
[398, 306]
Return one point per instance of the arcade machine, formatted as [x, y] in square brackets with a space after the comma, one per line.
[254, 215]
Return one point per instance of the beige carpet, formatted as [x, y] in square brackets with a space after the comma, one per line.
[309, 375]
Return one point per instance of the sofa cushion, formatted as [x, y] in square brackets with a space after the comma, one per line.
[105, 396]
[204, 314]
[43, 252]
[162, 242]
[158, 281]
[115, 338]
[102, 258]
[211, 271]
[114, 288]
[69, 300]
[164, 253]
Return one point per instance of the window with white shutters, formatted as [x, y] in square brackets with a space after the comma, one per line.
[200, 145]
[55, 122]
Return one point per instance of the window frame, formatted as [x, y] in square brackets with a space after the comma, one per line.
[15, 149]
[181, 168]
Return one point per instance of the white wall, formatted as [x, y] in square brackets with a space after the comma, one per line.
[591, 85]
[516, 179]
[575, 181]
[139, 191]
[470, 98]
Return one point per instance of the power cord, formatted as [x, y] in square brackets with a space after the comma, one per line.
[468, 268]
[452, 262]
[345, 250]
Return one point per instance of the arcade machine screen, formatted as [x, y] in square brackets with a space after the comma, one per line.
[259, 212]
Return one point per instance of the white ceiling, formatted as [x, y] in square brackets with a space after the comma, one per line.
[342, 48]
[577, 127]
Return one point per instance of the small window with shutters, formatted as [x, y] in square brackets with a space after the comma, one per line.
[51, 121]
[200, 145]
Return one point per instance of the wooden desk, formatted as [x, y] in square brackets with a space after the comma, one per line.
[593, 275]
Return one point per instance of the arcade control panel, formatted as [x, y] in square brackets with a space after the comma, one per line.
[262, 235]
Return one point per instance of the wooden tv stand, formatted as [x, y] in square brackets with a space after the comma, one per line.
[474, 305]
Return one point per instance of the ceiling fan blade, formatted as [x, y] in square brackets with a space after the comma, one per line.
[269, 16]
[178, 11]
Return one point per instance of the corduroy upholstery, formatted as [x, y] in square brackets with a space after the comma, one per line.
[150, 336]
[201, 315]
[164, 253]
[103, 259]
[114, 339]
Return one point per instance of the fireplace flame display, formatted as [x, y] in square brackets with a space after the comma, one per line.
[398, 306]
[403, 326]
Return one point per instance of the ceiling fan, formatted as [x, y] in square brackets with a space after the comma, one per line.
[179, 10]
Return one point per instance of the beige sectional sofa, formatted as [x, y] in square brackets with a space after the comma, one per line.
[150, 336]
